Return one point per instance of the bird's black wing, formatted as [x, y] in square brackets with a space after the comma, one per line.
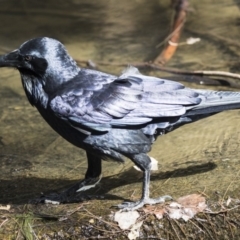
[100, 101]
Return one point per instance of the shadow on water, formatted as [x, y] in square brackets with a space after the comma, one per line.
[22, 190]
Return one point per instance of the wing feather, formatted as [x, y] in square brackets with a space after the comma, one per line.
[93, 102]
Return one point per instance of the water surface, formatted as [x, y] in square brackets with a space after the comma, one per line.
[203, 156]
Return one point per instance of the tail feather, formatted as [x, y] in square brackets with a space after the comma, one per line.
[214, 101]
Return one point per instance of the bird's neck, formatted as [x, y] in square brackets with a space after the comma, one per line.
[34, 91]
[38, 88]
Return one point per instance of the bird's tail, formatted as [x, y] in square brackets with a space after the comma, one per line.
[214, 102]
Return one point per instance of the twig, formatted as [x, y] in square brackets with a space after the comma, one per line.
[179, 20]
[221, 211]
[174, 229]
[103, 230]
[193, 223]
[181, 229]
[215, 73]
[229, 186]
[152, 66]
[211, 226]
[206, 229]
[229, 224]
[100, 219]
[203, 192]
[32, 231]
[3, 222]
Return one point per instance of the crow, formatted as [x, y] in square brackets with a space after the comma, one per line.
[110, 117]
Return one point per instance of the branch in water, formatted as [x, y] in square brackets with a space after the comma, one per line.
[199, 76]
[173, 39]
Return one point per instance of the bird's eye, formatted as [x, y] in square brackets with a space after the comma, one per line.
[28, 58]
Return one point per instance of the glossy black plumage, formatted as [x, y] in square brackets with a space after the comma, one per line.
[110, 117]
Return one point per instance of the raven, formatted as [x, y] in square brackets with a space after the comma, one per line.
[109, 117]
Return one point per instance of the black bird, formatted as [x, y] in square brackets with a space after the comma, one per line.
[110, 117]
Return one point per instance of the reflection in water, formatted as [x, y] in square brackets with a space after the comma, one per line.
[32, 155]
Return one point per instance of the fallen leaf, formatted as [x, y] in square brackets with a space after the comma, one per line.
[194, 201]
[7, 207]
[157, 211]
[186, 207]
[126, 219]
[91, 220]
[135, 231]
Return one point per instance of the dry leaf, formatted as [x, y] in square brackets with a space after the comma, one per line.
[157, 211]
[126, 219]
[194, 201]
[7, 207]
[134, 231]
[186, 207]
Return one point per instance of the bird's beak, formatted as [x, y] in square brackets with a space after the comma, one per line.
[10, 60]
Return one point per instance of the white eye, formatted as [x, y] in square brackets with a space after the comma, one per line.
[28, 58]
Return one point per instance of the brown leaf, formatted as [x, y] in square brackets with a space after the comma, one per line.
[157, 211]
[196, 202]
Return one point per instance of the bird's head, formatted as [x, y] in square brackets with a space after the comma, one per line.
[44, 60]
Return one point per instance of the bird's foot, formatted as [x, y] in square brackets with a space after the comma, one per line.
[61, 198]
[131, 206]
[70, 195]
[53, 198]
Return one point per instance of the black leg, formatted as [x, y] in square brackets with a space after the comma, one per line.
[92, 176]
[94, 166]
[72, 194]
[144, 163]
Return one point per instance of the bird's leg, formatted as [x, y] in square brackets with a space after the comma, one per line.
[72, 194]
[144, 163]
[92, 176]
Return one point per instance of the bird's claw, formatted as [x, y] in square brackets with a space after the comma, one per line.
[52, 198]
[56, 199]
[131, 206]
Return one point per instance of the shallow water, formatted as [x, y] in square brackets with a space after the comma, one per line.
[203, 156]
